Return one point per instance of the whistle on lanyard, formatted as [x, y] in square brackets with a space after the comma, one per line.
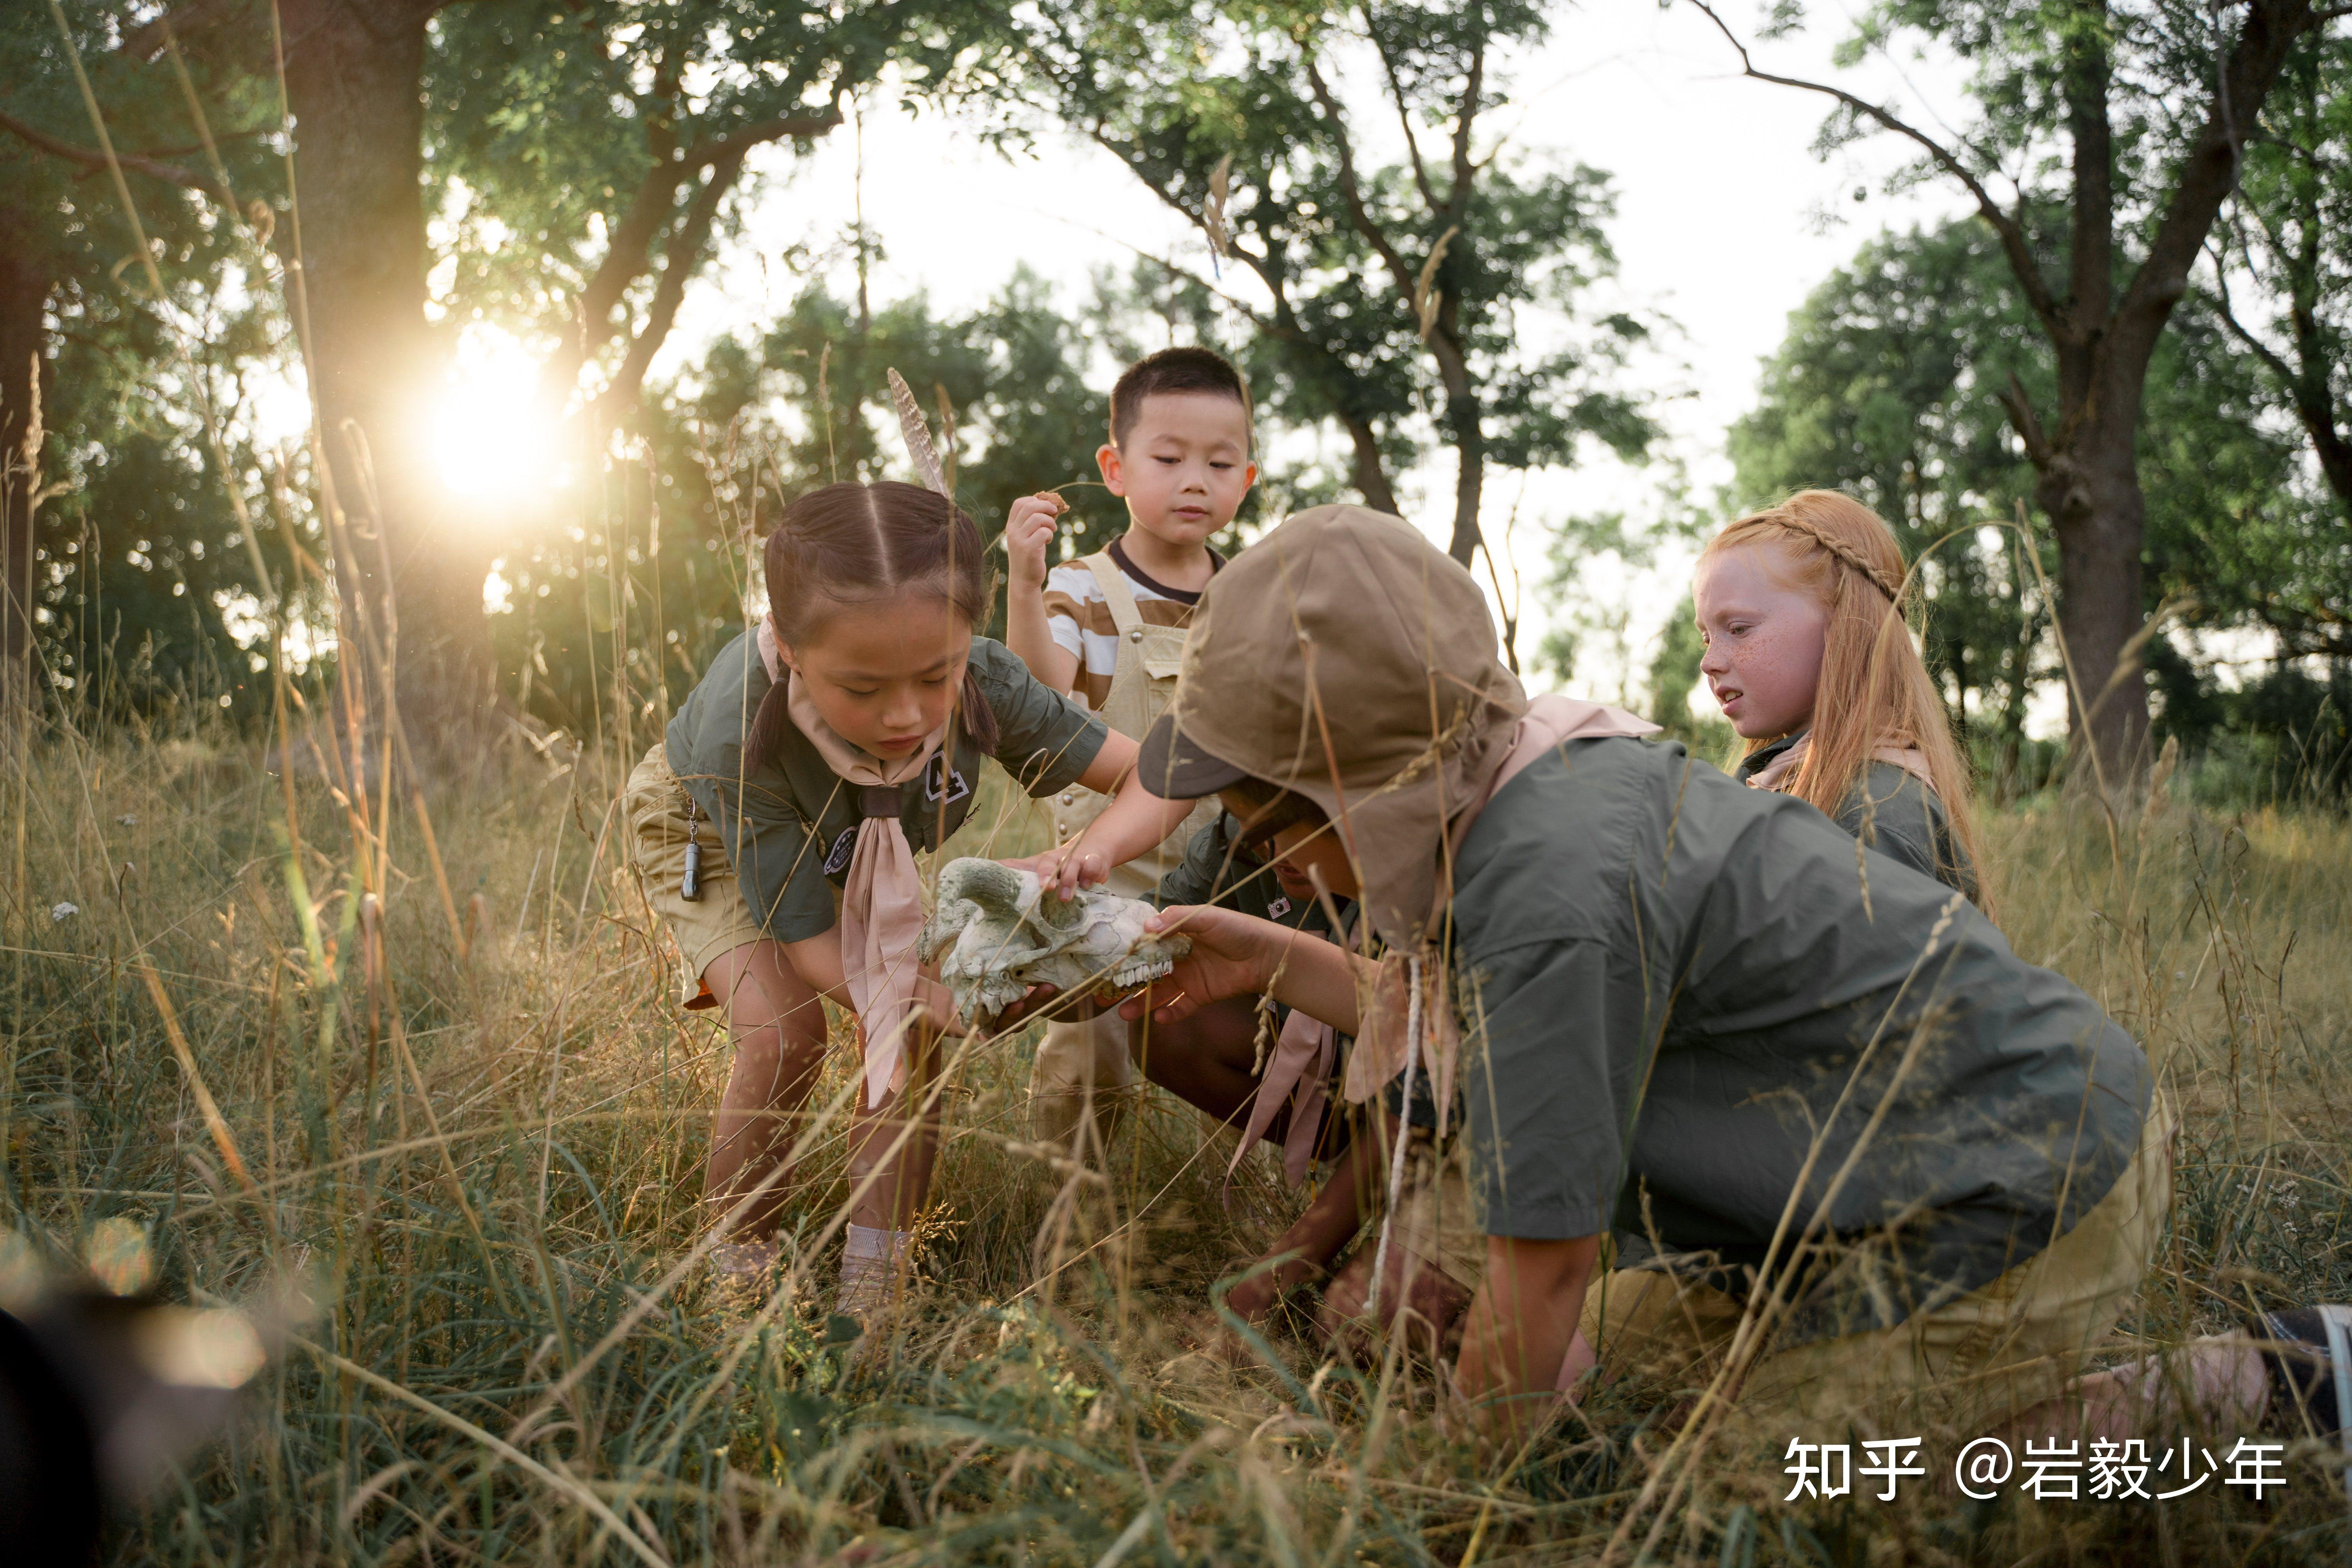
[690, 887]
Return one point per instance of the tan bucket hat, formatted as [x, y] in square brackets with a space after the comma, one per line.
[1346, 658]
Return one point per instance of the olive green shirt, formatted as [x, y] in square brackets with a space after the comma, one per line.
[1893, 811]
[1668, 984]
[788, 829]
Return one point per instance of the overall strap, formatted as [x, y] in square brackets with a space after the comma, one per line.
[1116, 593]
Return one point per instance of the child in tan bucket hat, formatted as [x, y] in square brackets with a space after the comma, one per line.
[1852, 1154]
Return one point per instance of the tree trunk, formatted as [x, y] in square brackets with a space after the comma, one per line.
[25, 285]
[353, 77]
[2091, 493]
[1463, 418]
[1371, 475]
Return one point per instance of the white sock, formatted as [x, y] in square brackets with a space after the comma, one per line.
[870, 1259]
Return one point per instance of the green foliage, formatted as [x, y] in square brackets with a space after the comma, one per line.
[140, 563]
[2290, 232]
[553, 125]
[2284, 736]
[1512, 366]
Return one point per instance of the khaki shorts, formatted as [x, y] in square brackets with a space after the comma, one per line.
[1999, 1350]
[1991, 1353]
[712, 925]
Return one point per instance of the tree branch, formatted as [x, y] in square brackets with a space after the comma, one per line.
[679, 258]
[2261, 351]
[2312, 398]
[1466, 115]
[630, 254]
[2087, 77]
[1405, 113]
[2024, 421]
[1352, 190]
[2210, 173]
[1125, 151]
[137, 163]
[737, 143]
[2013, 242]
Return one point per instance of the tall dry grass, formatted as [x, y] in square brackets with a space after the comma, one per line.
[482, 1172]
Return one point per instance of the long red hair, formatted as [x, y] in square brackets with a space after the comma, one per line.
[1874, 691]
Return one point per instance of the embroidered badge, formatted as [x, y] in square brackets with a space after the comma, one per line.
[838, 860]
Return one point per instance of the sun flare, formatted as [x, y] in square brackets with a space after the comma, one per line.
[492, 440]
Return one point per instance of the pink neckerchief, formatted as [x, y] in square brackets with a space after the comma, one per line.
[1302, 1057]
[882, 900]
[1780, 772]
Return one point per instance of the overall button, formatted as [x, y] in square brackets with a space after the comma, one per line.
[1135, 635]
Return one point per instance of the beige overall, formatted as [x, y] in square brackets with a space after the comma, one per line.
[1079, 1057]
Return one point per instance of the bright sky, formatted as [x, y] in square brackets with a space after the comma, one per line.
[1725, 222]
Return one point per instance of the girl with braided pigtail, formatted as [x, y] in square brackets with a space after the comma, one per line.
[1801, 608]
[775, 827]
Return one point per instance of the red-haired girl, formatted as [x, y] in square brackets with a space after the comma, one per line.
[1807, 650]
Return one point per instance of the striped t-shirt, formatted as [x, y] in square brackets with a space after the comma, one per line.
[1081, 619]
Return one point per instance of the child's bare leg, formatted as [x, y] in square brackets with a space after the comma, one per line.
[901, 1174]
[778, 1025]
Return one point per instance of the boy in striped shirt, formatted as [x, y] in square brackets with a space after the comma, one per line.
[1109, 629]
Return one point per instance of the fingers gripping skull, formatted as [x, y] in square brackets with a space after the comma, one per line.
[994, 937]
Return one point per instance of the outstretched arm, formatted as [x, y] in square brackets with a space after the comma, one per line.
[818, 961]
[1135, 821]
[1234, 954]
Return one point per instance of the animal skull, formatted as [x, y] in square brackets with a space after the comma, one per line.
[1000, 937]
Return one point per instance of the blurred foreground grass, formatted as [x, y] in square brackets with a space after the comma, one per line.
[483, 1171]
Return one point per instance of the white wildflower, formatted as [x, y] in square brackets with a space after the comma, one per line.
[64, 912]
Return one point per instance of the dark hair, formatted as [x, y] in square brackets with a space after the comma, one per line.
[1172, 370]
[847, 544]
[1273, 808]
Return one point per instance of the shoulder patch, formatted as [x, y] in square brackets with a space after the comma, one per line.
[837, 861]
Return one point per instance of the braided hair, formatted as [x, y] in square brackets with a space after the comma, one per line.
[851, 543]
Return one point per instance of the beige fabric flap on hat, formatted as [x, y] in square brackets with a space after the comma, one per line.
[1382, 1044]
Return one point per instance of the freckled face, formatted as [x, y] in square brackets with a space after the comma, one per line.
[884, 673]
[1764, 638]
